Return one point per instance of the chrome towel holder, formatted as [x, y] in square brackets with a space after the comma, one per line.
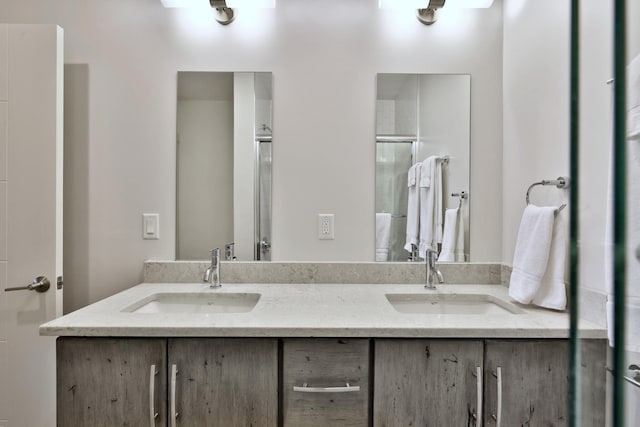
[562, 182]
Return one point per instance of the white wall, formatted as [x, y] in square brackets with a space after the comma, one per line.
[536, 107]
[444, 114]
[324, 55]
[205, 176]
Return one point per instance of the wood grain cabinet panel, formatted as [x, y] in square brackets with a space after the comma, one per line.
[103, 382]
[534, 382]
[225, 382]
[322, 363]
[423, 382]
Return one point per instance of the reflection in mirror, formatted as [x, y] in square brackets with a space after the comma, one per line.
[223, 166]
[422, 166]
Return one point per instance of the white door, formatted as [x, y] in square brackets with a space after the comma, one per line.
[31, 71]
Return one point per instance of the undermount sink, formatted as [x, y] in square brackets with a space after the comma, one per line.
[195, 303]
[449, 303]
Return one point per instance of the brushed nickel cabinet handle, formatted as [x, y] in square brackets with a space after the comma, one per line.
[479, 394]
[172, 405]
[152, 396]
[498, 416]
[340, 389]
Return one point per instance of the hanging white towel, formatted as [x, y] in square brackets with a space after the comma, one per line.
[632, 301]
[553, 291]
[633, 99]
[459, 251]
[383, 234]
[413, 206]
[450, 236]
[632, 323]
[431, 215]
[532, 252]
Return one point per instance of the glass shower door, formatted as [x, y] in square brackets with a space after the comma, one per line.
[393, 160]
[263, 202]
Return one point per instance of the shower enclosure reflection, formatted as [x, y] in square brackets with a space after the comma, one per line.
[422, 163]
[223, 156]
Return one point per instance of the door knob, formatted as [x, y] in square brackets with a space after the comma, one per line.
[39, 284]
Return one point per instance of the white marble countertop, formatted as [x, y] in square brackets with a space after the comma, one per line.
[312, 310]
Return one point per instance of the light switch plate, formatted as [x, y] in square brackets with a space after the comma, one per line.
[151, 226]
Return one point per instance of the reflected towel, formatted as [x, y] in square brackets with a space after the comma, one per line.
[413, 206]
[450, 236]
[532, 252]
[431, 215]
[383, 234]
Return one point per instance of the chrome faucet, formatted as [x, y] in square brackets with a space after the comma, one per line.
[432, 270]
[212, 275]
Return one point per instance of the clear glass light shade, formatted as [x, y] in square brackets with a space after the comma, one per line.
[421, 4]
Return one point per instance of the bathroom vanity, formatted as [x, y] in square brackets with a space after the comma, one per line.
[168, 354]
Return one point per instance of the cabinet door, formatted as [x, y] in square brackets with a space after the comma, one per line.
[111, 382]
[427, 382]
[325, 382]
[526, 383]
[223, 382]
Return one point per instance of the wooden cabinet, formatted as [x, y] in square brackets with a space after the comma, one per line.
[111, 382]
[308, 382]
[325, 382]
[439, 382]
[224, 382]
[422, 382]
[205, 381]
[526, 383]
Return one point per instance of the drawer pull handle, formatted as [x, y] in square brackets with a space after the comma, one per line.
[172, 405]
[152, 388]
[342, 389]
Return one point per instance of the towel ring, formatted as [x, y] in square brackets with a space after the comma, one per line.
[561, 182]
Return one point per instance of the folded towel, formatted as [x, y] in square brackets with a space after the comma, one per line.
[532, 252]
[383, 234]
[633, 99]
[553, 291]
[413, 207]
[431, 214]
[425, 172]
[450, 236]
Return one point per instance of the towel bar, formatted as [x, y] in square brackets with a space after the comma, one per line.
[561, 182]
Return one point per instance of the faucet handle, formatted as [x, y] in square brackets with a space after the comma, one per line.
[215, 255]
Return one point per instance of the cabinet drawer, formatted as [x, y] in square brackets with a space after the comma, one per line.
[326, 366]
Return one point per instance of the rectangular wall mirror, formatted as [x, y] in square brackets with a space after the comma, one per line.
[422, 166]
[223, 155]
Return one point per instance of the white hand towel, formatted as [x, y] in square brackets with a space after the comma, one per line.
[425, 172]
[413, 207]
[633, 99]
[531, 253]
[450, 236]
[431, 215]
[383, 234]
[459, 252]
[553, 292]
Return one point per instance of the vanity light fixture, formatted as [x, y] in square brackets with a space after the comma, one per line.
[225, 10]
[427, 10]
